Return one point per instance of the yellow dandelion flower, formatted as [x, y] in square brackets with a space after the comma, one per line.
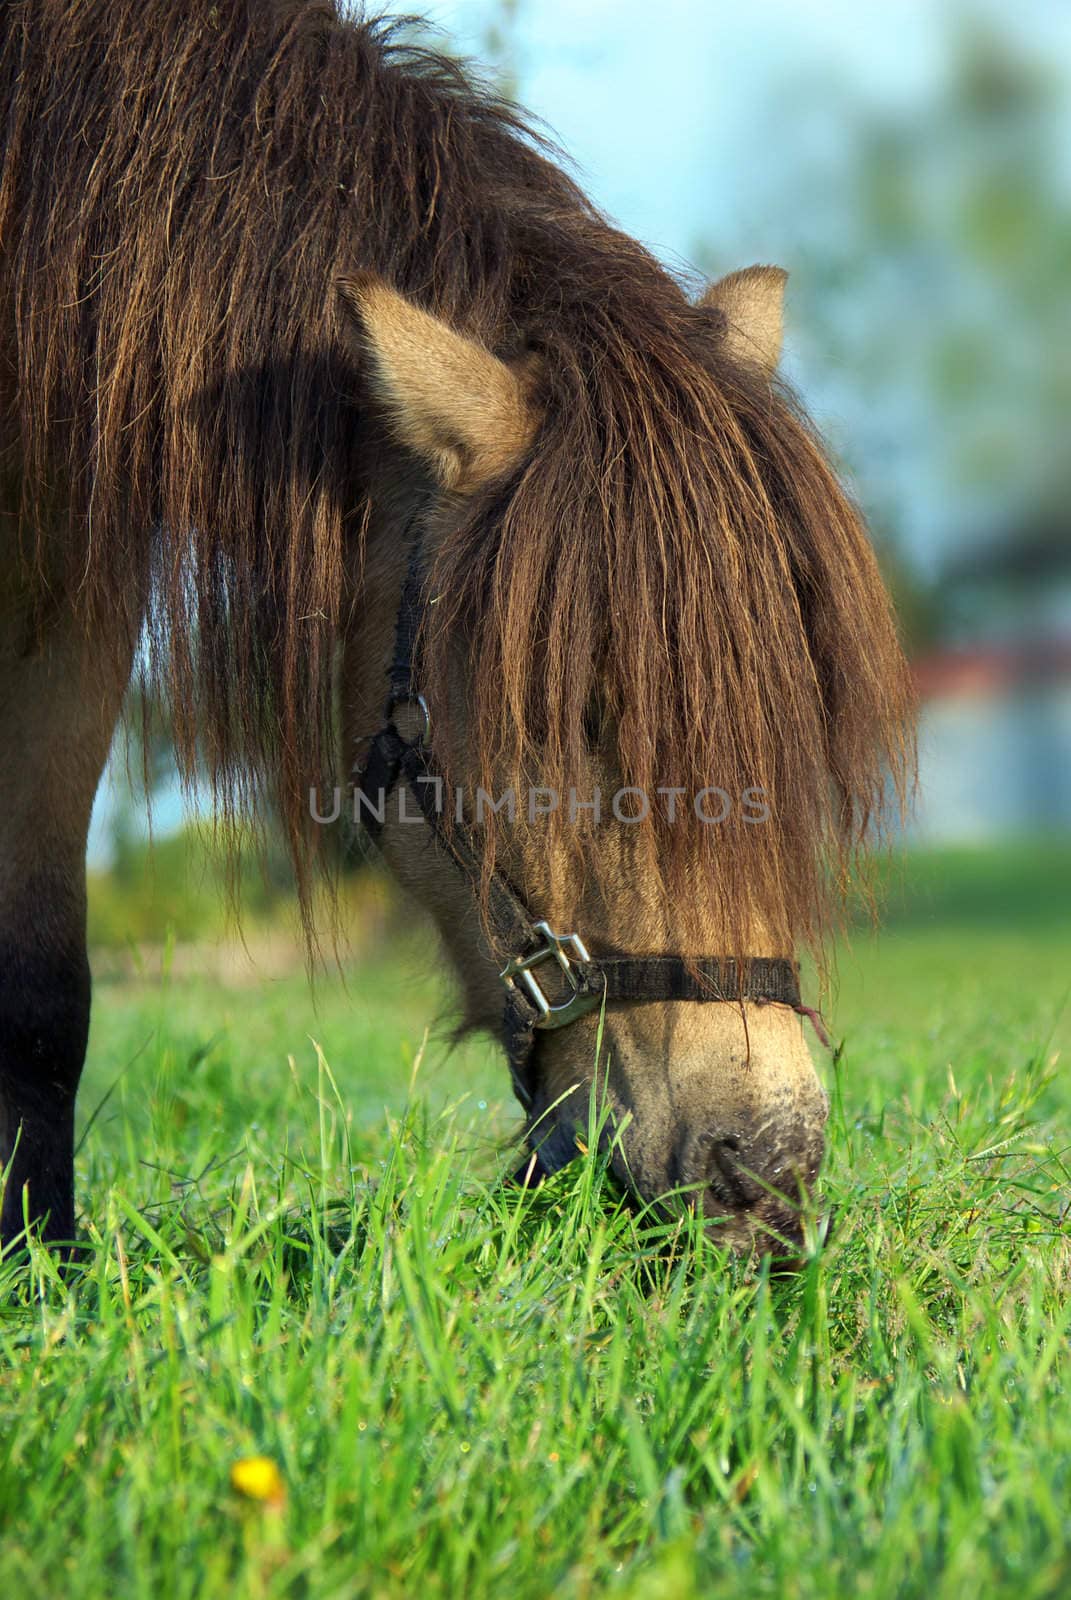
[258, 1478]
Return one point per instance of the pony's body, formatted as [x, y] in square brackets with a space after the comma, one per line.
[630, 528]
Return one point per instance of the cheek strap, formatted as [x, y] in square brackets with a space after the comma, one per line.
[550, 979]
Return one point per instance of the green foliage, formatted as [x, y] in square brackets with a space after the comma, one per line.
[1021, 889]
[470, 1389]
[152, 893]
[967, 210]
[179, 887]
[929, 241]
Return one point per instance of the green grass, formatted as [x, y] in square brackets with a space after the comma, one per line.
[302, 1250]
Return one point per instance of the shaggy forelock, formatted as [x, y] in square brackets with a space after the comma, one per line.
[679, 555]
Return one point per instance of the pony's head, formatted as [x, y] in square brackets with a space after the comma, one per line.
[646, 589]
[663, 686]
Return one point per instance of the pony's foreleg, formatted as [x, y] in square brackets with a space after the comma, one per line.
[60, 695]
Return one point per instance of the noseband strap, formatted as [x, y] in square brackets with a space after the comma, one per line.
[550, 979]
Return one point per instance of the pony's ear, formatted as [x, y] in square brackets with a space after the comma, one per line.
[752, 302]
[454, 403]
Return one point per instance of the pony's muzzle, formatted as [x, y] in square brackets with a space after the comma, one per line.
[756, 1186]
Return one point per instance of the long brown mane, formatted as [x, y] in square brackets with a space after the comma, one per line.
[181, 187]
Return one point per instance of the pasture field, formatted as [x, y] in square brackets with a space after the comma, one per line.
[299, 1248]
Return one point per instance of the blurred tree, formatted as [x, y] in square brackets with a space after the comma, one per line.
[930, 246]
[968, 204]
[141, 768]
[500, 47]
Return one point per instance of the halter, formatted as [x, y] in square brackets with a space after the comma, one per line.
[579, 983]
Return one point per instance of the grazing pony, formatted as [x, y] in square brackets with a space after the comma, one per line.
[331, 401]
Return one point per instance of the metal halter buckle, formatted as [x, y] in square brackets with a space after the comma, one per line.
[424, 736]
[558, 948]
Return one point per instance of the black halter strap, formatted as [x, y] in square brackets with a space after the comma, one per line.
[550, 979]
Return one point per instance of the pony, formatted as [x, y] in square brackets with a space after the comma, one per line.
[315, 362]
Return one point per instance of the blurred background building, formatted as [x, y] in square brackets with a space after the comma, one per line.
[911, 166]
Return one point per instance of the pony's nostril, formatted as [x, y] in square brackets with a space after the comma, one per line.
[713, 1162]
[727, 1175]
[732, 1172]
